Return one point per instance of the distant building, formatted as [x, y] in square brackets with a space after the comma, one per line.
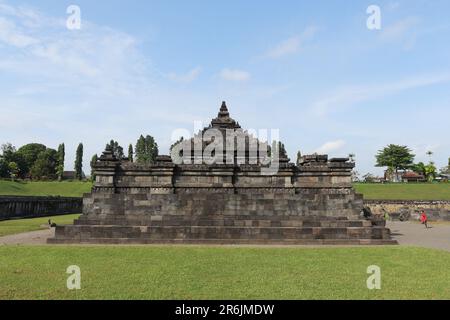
[378, 180]
[411, 176]
[71, 175]
[404, 176]
[393, 176]
[443, 177]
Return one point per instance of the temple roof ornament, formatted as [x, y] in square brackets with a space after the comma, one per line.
[223, 120]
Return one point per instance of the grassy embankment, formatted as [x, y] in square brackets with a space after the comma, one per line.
[401, 191]
[26, 225]
[45, 188]
[405, 191]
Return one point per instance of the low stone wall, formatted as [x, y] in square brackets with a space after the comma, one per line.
[12, 207]
[435, 210]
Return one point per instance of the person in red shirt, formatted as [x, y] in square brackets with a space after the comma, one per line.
[424, 219]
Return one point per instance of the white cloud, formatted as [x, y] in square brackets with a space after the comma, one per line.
[82, 85]
[95, 59]
[187, 77]
[393, 5]
[11, 35]
[330, 147]
[345, 97]
[291, 45]
[403, 32]
[234, 75]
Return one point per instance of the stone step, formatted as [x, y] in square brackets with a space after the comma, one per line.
[219, 232]
[220, 220]
[230, 223]
[287, 242]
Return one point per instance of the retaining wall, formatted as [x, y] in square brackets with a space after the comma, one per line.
[435, 210]
[15, 207]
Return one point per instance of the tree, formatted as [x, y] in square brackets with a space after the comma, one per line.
[368, 178]
[60, 161]
[282, 153]
[9, 154]
[299, 158]
[79, 162]
[93, 162]
[446, 170]
[8, 151]
[45, 165]
[29, 154]
[6, 157]
[431, 171]
[420, 168]
[116, 149]
[395, 157]
[4, 170]
[130, 152]
[13, 169]
[146, 149]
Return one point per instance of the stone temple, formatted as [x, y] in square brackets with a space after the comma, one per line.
[230, 203]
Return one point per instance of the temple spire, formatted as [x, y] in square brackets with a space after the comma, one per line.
[223, 120]
[224, 110]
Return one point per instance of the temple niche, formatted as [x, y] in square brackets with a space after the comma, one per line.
[233, 201]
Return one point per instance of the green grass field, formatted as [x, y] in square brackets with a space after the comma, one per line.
[47, 188]
[400, 191]
[171, 272]
[25, 225]
[404, 191]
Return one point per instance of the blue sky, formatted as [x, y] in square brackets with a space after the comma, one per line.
[309, 68]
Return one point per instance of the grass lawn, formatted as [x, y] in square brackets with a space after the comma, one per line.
[180, 272]
[399, 191]
[47, 188]
[404, 191]
[25, 225]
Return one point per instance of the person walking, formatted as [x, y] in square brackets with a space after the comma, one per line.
[424, 219]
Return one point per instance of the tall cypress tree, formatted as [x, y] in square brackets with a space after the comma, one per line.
[130, 152]
[93, 162]
[79, 162]
[116, 149]
[140, 150]
[60, 161]
[146, 149]
[299, 158]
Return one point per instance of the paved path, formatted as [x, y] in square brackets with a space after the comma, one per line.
[29, 238]
[406, 233]
[415, 234]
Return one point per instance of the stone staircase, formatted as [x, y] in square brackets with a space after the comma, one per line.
[221, 229]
